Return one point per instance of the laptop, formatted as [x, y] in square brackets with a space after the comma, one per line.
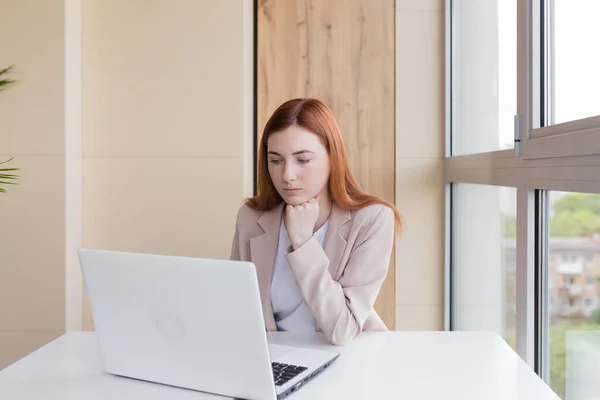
[192, 323]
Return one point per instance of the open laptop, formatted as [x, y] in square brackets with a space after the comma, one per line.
[192, 323]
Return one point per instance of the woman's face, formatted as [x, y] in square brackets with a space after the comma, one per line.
[298, 164]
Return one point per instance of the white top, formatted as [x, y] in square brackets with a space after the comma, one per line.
[376, 365]
[290, 311]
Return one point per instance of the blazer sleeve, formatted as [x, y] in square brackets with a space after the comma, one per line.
[341, 308]
[235, 248]
[235, 245]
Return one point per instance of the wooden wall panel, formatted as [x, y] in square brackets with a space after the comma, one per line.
[341, 52]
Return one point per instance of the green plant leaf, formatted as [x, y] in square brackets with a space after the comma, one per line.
[6, 81]
[7, 69]
[4, 176]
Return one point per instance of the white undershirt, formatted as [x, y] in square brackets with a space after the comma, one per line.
[290, 310]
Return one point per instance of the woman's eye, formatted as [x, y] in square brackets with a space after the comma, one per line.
[274, 161]
[303, 161]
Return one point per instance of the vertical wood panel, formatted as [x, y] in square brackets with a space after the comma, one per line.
[341, 52]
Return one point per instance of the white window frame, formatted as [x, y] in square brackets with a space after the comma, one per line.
[558, 157]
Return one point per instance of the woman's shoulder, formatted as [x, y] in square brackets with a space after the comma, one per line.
[247, 214]
[373, 221]
[372, 212]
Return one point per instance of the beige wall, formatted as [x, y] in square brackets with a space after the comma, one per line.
[419, 156]
[136, 138]
[159, 124]
[167, 132]
[32, 214]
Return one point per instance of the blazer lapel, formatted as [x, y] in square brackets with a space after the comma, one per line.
[262, 254]
[335, 241]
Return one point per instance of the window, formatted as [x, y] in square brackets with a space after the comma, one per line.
[574, 217]
[484, 75]
[572, 302]
[557, 230]
[590, 280]
[484, 283]
[576, 79]
[568, 257]
[567, 280]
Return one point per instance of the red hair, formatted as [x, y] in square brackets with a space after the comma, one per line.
[313, 115]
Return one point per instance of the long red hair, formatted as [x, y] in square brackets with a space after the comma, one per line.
[315, 116]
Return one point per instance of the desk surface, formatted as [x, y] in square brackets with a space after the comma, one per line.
[377, 365]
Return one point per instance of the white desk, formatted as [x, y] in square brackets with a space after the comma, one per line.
[393, 365]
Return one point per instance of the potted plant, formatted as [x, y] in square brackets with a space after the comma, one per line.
[6, 176]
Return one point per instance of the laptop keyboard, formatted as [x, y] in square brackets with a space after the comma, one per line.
[282, 373]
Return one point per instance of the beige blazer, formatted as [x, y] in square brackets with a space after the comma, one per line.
[339, 282]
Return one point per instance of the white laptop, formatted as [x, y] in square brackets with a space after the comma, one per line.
[192, 323]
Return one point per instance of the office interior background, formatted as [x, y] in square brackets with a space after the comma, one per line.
[134, 125]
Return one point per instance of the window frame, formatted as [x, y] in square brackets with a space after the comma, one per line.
[549, 157]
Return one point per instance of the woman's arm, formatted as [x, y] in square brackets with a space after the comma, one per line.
[235, 248]
[341, 308]
[234, 255]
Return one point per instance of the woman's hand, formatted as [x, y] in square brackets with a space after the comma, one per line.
[300, 222]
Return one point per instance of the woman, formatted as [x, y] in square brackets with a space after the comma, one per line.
[320, 245]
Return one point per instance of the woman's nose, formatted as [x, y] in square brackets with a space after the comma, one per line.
[289, 175]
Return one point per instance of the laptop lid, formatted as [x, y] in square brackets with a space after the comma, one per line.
[188, 322]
